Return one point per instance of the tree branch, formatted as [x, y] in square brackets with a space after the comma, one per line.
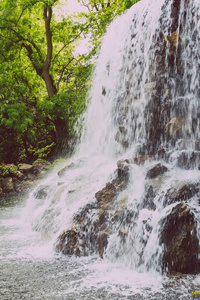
[63, 70]
[47, 14]
[67, 44]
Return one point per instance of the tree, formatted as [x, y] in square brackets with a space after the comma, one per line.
[38, 51]
[100, 14]
[43, 80]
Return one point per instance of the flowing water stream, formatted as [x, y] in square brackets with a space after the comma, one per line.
[144, 101]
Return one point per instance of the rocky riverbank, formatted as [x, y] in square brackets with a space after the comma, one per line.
[21, 178]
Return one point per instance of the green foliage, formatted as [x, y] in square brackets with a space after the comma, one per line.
[100, 14]
[42, 152]
[42, 78]
[42, 161]
[129, 3]
[7, 170]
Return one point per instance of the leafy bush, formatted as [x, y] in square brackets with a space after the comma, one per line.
[7, 170]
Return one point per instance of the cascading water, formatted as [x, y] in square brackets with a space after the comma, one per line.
[130, 194]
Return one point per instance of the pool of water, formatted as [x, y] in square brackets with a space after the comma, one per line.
[30, 269]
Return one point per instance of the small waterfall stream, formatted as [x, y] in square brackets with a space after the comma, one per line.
[130, 194]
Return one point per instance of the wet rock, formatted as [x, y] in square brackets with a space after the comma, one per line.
[71, 166]
[68, 242]
[42, 192]
[186, 192]
[86, 212]
[157, 170]
[123, 167]
[27, 169]
[140, 160]
[7, 185]
[173, 40]
[123, 235]
[42, 167]
[81, 239]
[62, 172]
[121, 136]
[174, 128]
[103, 218]
[106, 196]
[150, 88]
[103, 241]
[188, 159]
[180, 242]
[148, 201]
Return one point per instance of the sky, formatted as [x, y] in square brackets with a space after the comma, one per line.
[70, 7]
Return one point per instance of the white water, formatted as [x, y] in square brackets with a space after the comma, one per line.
[117, 125]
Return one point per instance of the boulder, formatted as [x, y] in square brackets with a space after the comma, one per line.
[188, 159]
[185, 192]
[71, 166]
[7, 185]
[180, 243]
[174, 128]
[123, 167]
[28, 170]
[81, 239]
[103, 241]
[1, 190]
[140, 160]
[68, 242]
[157, 170]
[106, 196]
[148, 201]
[42, 191]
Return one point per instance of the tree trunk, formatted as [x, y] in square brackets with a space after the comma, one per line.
[62, 137]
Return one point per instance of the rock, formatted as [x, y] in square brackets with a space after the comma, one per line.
[173, 40]
[186, 192]
[41, 167]
[157, 170]
[150, 88]
[1, 190]
[106, 196]
[188, 159]
[42, 191]
[82, 237]
[7, 185]
[62, 172]
[103, 241]
[180, 242]
[140, 160]
[19, 175]
[68, 242]
[148, 201]
[71, 166]
[174, 128]
[27, 169]
[123, 167]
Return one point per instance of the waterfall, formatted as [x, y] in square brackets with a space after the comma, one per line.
[133, 185]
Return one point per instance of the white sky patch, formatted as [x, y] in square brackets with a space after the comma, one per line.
[70, 7]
